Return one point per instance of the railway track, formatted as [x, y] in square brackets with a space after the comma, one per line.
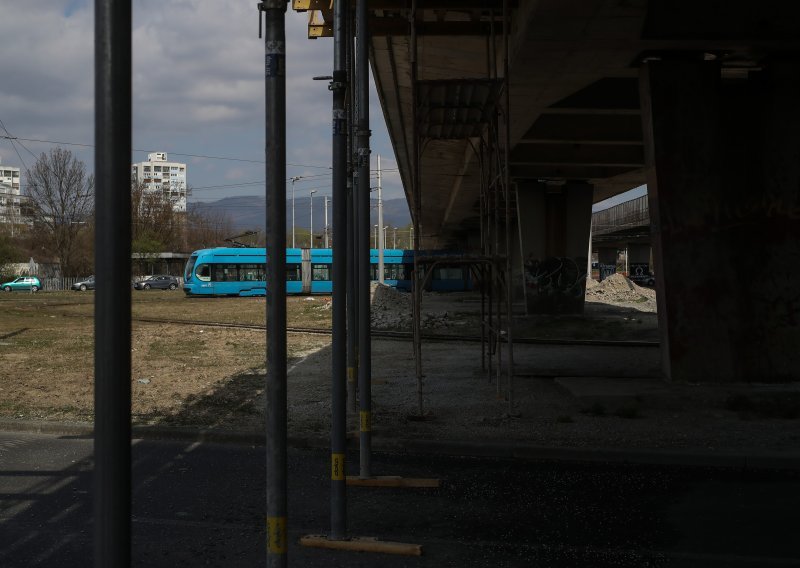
[383, 334]
[405, 335]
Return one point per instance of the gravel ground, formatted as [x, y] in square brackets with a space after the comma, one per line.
[462, 402]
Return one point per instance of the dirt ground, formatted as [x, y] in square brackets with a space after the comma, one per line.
[186, 374]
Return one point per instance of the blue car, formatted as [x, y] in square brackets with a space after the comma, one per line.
[27, 283]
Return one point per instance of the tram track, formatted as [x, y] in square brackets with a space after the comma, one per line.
[406, 335]
[385, 334]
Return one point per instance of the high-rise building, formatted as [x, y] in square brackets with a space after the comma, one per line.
[158, 174]
[9, 195]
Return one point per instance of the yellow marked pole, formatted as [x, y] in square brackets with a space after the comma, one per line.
[337, 467]
[276, 535]
[366, 421]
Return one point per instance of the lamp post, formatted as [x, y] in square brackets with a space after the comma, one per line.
[375, 236]
[394, 237]
[294, 179]
[311, 230]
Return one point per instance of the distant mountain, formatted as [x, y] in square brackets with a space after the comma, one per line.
[249, 212]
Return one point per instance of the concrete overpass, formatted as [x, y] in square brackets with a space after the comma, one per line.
[509, 119]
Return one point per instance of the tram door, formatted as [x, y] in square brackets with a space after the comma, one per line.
[306, 271]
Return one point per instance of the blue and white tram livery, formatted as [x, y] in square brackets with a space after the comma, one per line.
[242, 272]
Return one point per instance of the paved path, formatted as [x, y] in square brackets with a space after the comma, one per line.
[203, 505]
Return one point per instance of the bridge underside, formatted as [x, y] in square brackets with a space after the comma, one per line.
[696, 98]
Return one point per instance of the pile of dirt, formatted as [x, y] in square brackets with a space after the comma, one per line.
[391, 309]
[617, 289]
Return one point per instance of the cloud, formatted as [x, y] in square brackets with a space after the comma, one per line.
[198, 86]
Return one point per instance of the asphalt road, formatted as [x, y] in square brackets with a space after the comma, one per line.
[203, 505]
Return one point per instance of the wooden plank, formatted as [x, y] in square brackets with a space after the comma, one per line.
[362, 544]
[392, 481]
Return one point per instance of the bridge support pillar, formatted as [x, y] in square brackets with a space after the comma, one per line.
[639, 266]
[554, 223]
[607, 261]
[723, 168]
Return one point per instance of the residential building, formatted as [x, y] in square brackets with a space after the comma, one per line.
[158, 174]
[9, 195]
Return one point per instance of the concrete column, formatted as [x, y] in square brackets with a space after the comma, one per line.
[723, 168]
[554, 223]
[639, 261]
[607, 260]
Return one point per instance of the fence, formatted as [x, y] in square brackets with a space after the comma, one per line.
[64, 283]
[633, 213]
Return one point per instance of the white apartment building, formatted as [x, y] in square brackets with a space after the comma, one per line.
[158, 174]
[9, 195]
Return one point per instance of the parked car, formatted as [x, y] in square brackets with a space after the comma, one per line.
[85, 284]
[160, 281]
[644, 279]
[30, 283]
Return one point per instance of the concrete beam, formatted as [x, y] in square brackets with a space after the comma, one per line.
[578, 154]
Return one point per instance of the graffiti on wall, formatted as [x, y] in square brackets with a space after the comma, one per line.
[555, 284]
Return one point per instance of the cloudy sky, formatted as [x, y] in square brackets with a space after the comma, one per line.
[198, 90]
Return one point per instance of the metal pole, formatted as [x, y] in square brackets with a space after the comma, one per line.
[417, 280]
[394, 237]
[364, 335]
[311, 230]
[339, 349]
[352, 253]
[375, 236]
[294, 179]
[325, 227]
[112, 328]
[507, 188]
[275, 149]
[381, 238]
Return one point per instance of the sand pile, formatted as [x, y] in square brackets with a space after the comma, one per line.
[617, 289]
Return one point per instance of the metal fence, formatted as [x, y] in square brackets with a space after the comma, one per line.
[64, 283]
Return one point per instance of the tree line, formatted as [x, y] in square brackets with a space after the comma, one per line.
[57, 219]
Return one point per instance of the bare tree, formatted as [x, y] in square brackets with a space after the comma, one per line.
[61, 203]
[155, 225]
[205, 228]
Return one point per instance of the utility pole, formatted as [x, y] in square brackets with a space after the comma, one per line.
[311, 230]
[325, 228]
[294, 179]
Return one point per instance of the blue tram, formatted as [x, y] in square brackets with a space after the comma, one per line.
[242, 272]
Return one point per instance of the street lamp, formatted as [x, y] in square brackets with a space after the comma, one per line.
[376, 236]
[394, 237]
[311, 231]
[294, 179]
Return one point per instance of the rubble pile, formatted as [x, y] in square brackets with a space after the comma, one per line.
[391, 308]
[618, 289]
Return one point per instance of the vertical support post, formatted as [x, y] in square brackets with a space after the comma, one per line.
[339, 308]
[417, 280]
[352, 252]
[381, 236]
[364, 335]
[275, 150]
[325, 227]
[112, 328]
[507, 189]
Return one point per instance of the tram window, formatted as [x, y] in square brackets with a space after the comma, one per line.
[225, 273]
[293, 273]
[251, 272]
[204, 272]
[320, 272]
